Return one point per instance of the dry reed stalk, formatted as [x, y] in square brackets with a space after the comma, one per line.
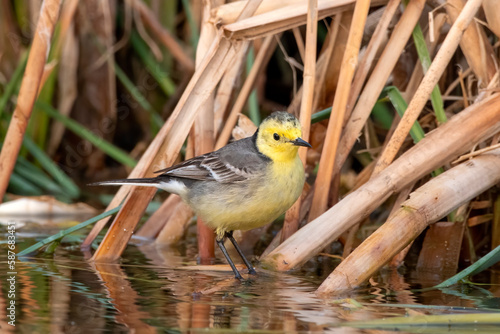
[325, 58]
[329, 152]
[322, 67]
[426, 205]
[463, 89]
[378, 78]
[166, 145]
[476, 123]
[117, 199]
[249, 9]
[430, 80]
[159, 218]
[300, 43]
[365, 63]
[398, 259]
[291, 224]
[204, 139]
[475, 45]
[60, 302]
[28, 293]
[67, 51]
[474, 153]
[285, 18]
[228, 84]
[47, 71]
[140, 170]
[262, 58]
[125, 298]
[332, 68]
[28, 91]
[490, 8]
[456, 82]
[442, 245]
[363, 176]
[230, 12]
[495, 229]
[418, 72]
[149, 18]
[309, 76]
[171, 224]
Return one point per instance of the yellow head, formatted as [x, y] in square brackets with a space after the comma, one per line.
[278, 137]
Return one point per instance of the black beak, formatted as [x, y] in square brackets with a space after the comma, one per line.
[300, 142]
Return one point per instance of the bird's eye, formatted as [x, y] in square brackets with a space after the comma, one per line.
[276, 137]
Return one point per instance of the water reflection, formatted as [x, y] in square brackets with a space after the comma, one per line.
[163, 290]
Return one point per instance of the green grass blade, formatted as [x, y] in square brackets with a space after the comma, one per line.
[105, 146]
[382, 115]
[14, 82]
[39, 124]
[394, 95]
[192, 24]
[484, 263]
[321, 115]
[253, 103]
[32, 174]
[154, 68]
[70, 230]
[325, 114]
[136, 94]
[70, 188]
[19, 185]
[425, 60]
[416, 132]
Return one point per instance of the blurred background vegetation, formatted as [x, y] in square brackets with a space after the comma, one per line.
[109, 85]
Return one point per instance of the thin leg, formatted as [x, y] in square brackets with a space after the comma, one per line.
[220, 242]
[251, 270]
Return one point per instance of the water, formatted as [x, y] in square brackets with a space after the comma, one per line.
[155, 290]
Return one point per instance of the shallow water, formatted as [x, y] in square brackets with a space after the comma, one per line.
[162, 290]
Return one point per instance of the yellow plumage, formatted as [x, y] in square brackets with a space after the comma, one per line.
[245, 184]
[259, 199]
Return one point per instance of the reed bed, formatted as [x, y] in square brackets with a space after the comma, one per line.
[390, 94]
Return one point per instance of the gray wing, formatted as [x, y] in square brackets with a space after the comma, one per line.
[234, 162]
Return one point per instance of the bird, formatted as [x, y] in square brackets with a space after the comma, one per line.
[244, 185]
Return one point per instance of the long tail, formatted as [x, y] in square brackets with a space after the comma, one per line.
[145, 182]
[167, 184]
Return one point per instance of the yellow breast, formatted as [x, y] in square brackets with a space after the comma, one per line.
[257, 202]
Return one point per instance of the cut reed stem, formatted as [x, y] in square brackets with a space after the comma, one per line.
[29, 90]
[349, 63]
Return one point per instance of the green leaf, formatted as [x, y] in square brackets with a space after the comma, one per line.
[63, 233]
[425, 60]
[399, 103]
[153, 67]
[105, 146]
[321, 115]
[14, 82]
[19, 185]
[70, 188]
[34, 175]
[484, 263]
[136, 94]
[253, 103]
